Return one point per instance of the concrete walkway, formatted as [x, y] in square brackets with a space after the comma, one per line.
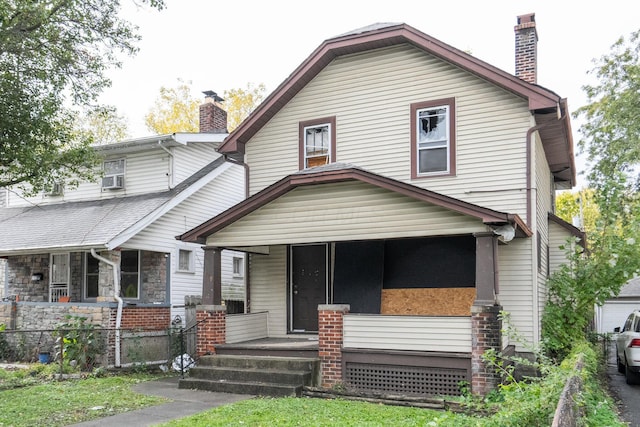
[183, 403]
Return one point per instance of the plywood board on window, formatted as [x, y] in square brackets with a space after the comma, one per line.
[428, 301]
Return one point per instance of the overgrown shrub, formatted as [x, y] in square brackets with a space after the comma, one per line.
[78, 341]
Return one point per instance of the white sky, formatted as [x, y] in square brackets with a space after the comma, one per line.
[225, 45]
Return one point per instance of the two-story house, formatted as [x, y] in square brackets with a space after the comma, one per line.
[401, 195]
[107, 249]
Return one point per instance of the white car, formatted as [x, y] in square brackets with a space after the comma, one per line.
[628, 348]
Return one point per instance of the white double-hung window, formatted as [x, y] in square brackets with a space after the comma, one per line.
[433, 137]
[113, 178]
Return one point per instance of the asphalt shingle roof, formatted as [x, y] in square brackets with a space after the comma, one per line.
[74, 224]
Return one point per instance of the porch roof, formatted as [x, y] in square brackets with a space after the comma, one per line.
[342, 173]
[73, 225]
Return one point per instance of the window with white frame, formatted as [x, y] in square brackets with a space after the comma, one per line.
[185, 260]
[59, 274]
[91, 274]
[113, 178]
[60, 269]
[130, 274]
[238, 266]
[433, 138]
[317, 142]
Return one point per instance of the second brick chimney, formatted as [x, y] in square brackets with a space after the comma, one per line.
[213, 119]
[527, 48]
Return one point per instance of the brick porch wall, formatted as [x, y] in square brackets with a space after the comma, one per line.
[212, 328]
[330, 334]
[486, 333]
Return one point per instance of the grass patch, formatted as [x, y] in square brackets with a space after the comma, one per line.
[291, 411]
[29, 399]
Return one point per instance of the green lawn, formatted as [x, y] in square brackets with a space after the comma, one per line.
[38, 401]
[319, 412]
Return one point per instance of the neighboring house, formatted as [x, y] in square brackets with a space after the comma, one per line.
[401, 195]
[64, 245]
[615, 310]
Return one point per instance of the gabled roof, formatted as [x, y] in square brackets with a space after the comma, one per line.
[340, 172]
[374, 37]
[105, 223]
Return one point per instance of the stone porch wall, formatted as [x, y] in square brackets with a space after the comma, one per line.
[21, 268]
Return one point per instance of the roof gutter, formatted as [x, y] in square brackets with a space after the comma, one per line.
[116, 293]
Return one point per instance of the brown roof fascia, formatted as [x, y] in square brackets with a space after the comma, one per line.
[488, 216]
[537, 96]
[575, 231]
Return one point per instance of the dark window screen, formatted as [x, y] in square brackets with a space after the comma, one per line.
[430, 263]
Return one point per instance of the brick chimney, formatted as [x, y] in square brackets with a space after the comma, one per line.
[527, 48]
[213, 119]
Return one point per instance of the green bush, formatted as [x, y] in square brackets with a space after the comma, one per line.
[78, 340]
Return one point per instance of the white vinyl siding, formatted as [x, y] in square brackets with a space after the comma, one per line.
[193, 157]
[269, 288]
[558, 238]
[341, 212]
[145, 172]
[542, 202]
[370, 95]
[516, 285]
[225, 190]
[246, 327]
[414, 333]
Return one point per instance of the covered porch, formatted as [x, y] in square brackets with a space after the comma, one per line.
[400, 284]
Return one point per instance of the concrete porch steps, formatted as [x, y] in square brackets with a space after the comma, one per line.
[259, 375]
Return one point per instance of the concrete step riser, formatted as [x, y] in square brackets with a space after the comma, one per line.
[273, 390]
[247, 362]
[229, 374]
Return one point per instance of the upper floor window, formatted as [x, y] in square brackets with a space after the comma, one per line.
[317, 142]
[433, 138]
[113, 178]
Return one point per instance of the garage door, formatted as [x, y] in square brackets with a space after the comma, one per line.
[614, 313]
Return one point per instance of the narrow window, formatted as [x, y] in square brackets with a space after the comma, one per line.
[432, 138]
[238, 266]
[92, 270]
[317, 142]
[185, 260]
[130, 274]
[59, 284]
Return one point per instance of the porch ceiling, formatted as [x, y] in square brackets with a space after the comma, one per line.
[341, 202]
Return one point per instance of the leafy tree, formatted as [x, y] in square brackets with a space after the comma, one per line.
[104, 125]
[581, 204]
[611, 132]
[611, 138]
[241, 102]
[175, 110]
[54, 53]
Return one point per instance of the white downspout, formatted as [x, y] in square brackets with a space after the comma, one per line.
[116, 294]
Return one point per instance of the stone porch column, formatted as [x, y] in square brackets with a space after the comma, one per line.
[330, 334]
[211, 329]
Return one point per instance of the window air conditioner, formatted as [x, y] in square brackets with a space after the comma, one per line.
[57, 188]
[113, 182]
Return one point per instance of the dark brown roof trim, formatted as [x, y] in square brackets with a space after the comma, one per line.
[575, 231]
[538, 97]
[291, 182]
